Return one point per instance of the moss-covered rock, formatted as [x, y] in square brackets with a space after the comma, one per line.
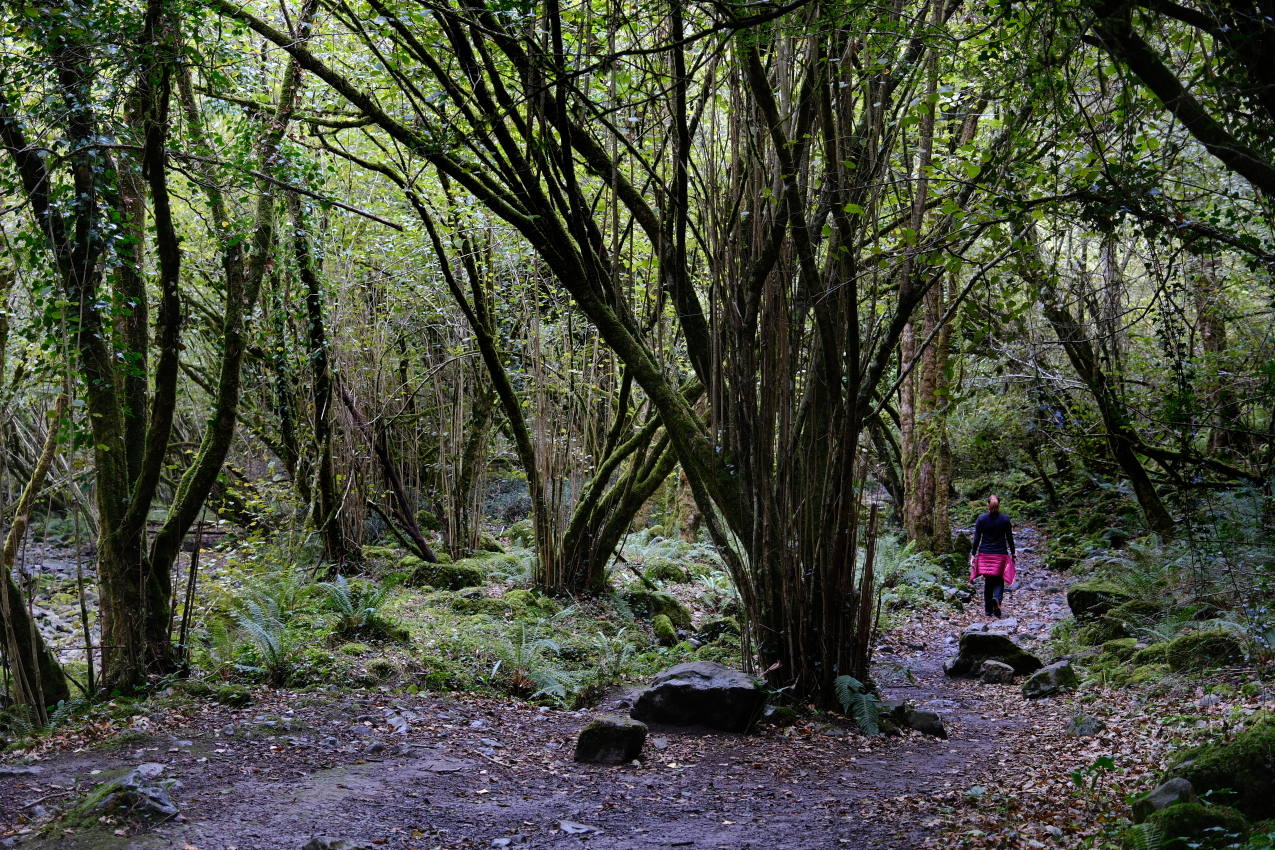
[1089, 600]
[1134, 615]
[1202, 650]
[387, 554]
[650, 603]
[1061, 561]
[1244, 768]
[235, 696]
[383, 669]
[1115, 538]
[977, 647]
[1096, 632]
[455, 576]
[1121, 649]
[487, 542]
[665, 633]
[197, 688]
[354, 649]
[1191, 825]
[715, 628]
[443, 674]
[665, 570]
[610, 740]
[1155, 653]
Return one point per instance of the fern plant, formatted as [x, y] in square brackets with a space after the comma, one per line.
[529, 668]
[357, 607]
[1145, 836]
[261, 627]
[862, 707]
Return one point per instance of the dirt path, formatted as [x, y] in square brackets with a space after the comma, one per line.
[429, 772]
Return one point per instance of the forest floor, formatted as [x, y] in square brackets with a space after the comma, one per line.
[427, 771]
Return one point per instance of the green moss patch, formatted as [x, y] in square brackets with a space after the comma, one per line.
[1156, 653]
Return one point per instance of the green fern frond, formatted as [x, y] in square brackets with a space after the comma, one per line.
[1146, 836]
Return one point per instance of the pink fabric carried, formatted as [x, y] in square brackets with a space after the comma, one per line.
[993, 565]
[1010, 573]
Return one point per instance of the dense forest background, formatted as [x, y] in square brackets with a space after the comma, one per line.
[315, 309]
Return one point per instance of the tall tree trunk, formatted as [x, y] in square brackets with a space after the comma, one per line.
[922, 396]
[1227, 433]
[336, 549]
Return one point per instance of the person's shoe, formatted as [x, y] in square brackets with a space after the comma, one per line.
[998, 611]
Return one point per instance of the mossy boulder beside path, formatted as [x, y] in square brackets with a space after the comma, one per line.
[1190, 825]
[1202, 650]
[652, 603]
[610, 739]
[1089, 600]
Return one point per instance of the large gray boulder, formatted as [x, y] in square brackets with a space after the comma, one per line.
[979, 646]
[701, 693]
[1050, 680]
[611, 739]
[1176, 790]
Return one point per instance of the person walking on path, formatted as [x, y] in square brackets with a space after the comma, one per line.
[992, 555]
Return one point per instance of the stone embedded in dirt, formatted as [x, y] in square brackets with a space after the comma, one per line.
[927, 723]
[979, 646]
[1085, 726]
[1176, 790]
[570, 827]
[327, 842]
[137, 793]
[702, 692]
[1050, 680]
[994, 672]
[610, 739]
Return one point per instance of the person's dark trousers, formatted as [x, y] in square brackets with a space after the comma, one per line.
[993, 590]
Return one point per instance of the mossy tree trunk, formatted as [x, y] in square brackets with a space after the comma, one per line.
[327, 503]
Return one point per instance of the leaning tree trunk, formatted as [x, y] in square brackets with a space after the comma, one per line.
[37, 677]
[1122, 437]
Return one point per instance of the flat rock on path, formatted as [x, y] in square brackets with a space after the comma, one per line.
[468, 772]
